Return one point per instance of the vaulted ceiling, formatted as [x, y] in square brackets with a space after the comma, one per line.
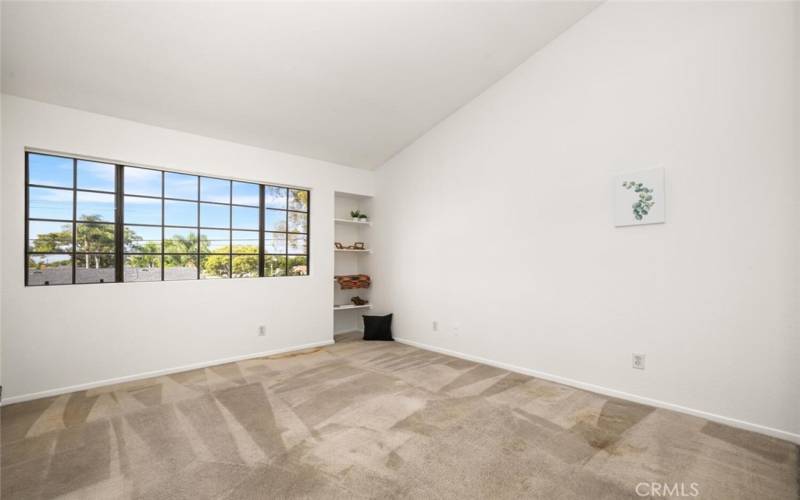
[347, 82]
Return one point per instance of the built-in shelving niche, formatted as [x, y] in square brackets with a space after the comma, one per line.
[347, 316]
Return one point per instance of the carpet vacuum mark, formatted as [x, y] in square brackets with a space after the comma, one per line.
[372, 420]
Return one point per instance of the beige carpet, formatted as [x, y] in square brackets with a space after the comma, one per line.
[373, 420]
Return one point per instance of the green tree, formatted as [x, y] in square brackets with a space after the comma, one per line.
[274, 265]
[186, 244]
[59, 241]
[92, 236]
[218, 265]
[132, 240]
[245, 265]
[298, 265]
[144, 261]
[152, 260]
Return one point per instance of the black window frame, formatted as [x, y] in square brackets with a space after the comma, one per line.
[119, 223]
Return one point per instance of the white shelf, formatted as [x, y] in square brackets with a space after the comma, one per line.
[351, 221]
[349, 261]
[351, 306]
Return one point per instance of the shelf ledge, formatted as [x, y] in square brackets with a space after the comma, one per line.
[351, 250]
[351, 221]
[351, 306]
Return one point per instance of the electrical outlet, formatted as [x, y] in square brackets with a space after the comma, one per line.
[262, 330]
[638, 361]
[435, 326]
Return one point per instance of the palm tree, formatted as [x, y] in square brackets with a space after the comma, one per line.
[179, 244]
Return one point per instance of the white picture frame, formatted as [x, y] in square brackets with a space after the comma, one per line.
[639, 197]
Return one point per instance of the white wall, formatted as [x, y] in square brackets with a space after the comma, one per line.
[497, 222]
[62, 336]
[796, 306]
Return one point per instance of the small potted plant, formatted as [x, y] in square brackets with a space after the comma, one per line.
[356, 215]
[362, 218]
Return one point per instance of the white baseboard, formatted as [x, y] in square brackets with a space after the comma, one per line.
[769, 431]
[157, 373]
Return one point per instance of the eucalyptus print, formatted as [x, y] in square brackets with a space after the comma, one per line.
[645, 202]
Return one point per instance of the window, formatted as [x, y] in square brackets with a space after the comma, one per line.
[71, 221]
[95, 222]
[285, 231]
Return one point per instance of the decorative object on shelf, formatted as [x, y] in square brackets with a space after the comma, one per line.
[357, 246]
[351, 281]
[639, 197]
[358, 216]
[359, 301]
[378, 327]
[338, 245]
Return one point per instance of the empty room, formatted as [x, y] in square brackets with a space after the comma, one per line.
[402, 249]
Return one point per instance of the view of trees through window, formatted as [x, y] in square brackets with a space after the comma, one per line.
[94, 222]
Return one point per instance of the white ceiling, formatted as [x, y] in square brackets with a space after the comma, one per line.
[351, 83]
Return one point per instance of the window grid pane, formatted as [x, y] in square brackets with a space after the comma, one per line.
[96, 222]
[143, 182]
[49, 269]
[95, 268]
[95, 207]
[50, 204]
[50, 170]
[180, 267]
[96, 176]
[181, 186]
[142, 268]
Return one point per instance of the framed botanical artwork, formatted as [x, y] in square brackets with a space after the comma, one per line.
[639, 197]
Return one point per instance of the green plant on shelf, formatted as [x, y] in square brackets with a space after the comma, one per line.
[358, 216]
